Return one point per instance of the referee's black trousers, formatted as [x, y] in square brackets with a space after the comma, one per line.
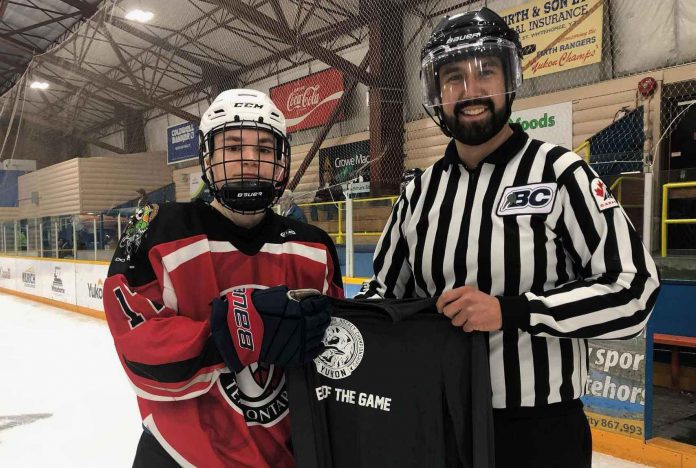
[554, 436]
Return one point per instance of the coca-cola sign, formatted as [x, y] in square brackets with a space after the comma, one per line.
[309, 101]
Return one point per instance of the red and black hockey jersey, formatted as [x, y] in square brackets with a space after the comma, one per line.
[397, 385]
[172, 261]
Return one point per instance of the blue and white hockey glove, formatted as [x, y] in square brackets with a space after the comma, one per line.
[272, 326]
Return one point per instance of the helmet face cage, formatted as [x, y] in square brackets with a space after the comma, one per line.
[245, 164]
[471, 83]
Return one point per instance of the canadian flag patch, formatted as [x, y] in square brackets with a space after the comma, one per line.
[601, 195]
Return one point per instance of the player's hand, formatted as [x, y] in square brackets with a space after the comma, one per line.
[273, 326]
[471, 309]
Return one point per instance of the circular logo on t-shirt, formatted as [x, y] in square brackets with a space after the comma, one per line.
[257, 392]
[344, 350]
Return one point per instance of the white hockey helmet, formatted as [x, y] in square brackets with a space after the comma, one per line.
[249, 110]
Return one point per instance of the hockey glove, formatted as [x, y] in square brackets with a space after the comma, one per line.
[271, 326]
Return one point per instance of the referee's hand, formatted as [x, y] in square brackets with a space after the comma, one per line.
[471, 309]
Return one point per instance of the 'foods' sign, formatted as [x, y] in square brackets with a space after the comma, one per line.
[309, 101]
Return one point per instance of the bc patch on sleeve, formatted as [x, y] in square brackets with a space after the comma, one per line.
[600, 193]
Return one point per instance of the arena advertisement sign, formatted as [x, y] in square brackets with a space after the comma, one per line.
[309, 101]
[90, 285]
[552, 124]
[615, 392]
[27, 276]
[182, 142]
[557, 35]
[8, 273]
[346, 163]
[57, 280]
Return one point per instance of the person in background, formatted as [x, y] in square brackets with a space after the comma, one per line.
[142, 201]
[331, 191]
[289, 208]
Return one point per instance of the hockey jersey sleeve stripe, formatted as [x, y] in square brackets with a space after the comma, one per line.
[168, 293]
[185, 253]
[193, 391]
[607, 309]
[202, 379]
[149, 423]
[622, 328]
[180, 371]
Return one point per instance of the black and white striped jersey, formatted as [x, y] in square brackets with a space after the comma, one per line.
[534, 225]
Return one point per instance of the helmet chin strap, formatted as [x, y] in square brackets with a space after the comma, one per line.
[439, 120]
[246, 196]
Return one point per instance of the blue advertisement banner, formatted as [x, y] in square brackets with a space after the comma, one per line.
[615, 392]
[182, 142]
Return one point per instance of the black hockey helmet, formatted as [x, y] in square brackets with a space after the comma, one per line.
[465, 36]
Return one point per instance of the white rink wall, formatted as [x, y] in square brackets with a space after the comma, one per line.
[75, 283]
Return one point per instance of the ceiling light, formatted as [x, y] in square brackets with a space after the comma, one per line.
[39, 85]
[140, 16]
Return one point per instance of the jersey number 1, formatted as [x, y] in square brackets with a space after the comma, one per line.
[134, 318]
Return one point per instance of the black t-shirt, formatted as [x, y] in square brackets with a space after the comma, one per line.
[397, 385]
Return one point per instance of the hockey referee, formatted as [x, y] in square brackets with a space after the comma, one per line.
[519, 238]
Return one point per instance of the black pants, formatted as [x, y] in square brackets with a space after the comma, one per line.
[150, 454]
[557, 435]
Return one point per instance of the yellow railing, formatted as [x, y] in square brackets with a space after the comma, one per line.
[339, 204]
[665, 221]
[583, 150]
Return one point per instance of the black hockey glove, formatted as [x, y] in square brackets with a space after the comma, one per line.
[272, 326]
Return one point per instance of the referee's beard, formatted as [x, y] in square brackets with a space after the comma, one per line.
[476, 132]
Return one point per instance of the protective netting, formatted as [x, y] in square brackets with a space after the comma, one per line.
[346, 75]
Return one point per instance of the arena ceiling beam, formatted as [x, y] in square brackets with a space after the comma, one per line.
[89, 10]
[43, 23]
[111, 84]
[85, 8]
[288, 36]
[74, 134]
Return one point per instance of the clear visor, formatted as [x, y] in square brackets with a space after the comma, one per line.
[463, 72]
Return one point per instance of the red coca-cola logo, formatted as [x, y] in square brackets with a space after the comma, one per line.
[303, 97]
[308, 101]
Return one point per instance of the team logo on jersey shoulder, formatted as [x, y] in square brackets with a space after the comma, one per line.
[139, 222]
[601, 195]
[527, 199]
[344, 349]
[257, 392]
